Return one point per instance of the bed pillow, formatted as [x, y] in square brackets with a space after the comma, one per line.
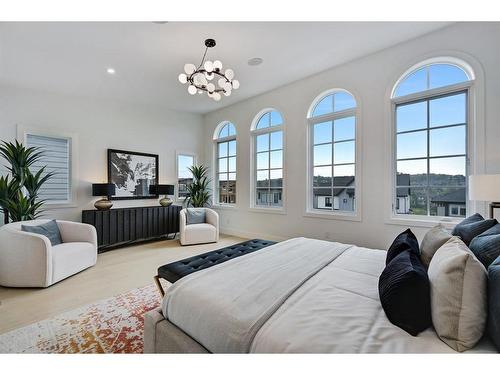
[195, 216]
[494, 302]
[405, 241]
[433, 240]
[471, 227]
[405, 293]
[458, 295]
[486, 246]
[49, 230]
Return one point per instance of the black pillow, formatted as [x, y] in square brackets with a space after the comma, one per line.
[471, 227]
[486, 246]
[405, 241]
[404, 291]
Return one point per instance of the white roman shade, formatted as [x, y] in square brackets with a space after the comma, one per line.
[57, 159]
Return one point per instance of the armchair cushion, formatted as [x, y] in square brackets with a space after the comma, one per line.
[48, 229]
[195, 216]
[71, 258]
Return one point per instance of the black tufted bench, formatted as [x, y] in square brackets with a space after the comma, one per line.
[177, 270]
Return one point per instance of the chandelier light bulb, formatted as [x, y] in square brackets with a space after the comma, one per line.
[221, 82]
[192, 89]
[227, 86]
[216, 96]
[210, 87]
[229, 74]
[189, 68]
[209, 66]
[203, 79]
[209, 76]
[217, 65]
[236, 84]
[182, 78]
[227, 93]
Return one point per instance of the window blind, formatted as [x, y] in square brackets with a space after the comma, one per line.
[56, 159]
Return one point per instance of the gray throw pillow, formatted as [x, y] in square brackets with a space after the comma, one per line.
[486, 246]
[433, 240]
[458, 295]
[471, 227]
[195, 215]
[49, 230]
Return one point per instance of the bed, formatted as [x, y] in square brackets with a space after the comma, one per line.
[298, 296]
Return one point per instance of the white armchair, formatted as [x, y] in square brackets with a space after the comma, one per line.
[29, 260]
[199, 233]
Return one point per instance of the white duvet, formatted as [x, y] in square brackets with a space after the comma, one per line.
[298, 296]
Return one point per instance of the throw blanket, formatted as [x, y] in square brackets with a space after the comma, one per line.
[239, 296]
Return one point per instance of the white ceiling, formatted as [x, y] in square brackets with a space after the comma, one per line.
[72, 58]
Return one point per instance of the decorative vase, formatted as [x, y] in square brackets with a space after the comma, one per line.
[103, 204]
[165, 202]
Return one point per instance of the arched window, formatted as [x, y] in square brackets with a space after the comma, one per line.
[332, 150]
[225, 163]
[267, 135]
[431, 121]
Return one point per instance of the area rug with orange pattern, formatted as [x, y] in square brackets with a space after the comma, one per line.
[113, 325]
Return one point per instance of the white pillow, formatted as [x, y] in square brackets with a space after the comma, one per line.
[458, 295]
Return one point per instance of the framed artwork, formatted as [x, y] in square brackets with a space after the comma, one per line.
[132, 173]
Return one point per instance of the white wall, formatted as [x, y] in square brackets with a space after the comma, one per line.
[101, 125]
[370, 79]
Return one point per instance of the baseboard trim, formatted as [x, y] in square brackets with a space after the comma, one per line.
[250, 235]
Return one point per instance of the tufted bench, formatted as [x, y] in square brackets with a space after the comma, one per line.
[177, 270]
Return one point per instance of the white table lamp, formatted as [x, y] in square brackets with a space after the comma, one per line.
[485, 187]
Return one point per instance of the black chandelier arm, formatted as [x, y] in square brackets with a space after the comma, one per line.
[204, 88]
[203, 71]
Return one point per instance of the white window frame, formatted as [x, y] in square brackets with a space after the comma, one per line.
[215, 174]
[177, 154]
[22, 135]
[311, 121]
[254, 132]
[471, 116]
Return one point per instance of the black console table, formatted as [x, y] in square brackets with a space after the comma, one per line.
[125, 226]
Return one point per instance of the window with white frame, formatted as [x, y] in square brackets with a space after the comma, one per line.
[267, 133]
[184, 175]
[225, 163]
[431, 121]
[57, 160]
[332, 169]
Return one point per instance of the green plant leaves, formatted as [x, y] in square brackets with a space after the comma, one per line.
[199, 190]
[16, 205]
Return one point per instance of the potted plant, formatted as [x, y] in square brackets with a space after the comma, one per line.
[19, 191]
[198, 190]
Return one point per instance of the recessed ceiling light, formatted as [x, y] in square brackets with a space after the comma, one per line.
[110, 71]
[254, 61]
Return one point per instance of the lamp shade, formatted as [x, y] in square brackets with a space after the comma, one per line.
[103, 190]
[484, 187]
[161, 189]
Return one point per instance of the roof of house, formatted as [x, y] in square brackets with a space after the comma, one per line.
[454, 196]
[403, 179]
[344, 181]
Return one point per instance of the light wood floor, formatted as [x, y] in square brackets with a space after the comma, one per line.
[116, 271]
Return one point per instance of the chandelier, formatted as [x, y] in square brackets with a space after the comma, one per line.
[199, 77]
